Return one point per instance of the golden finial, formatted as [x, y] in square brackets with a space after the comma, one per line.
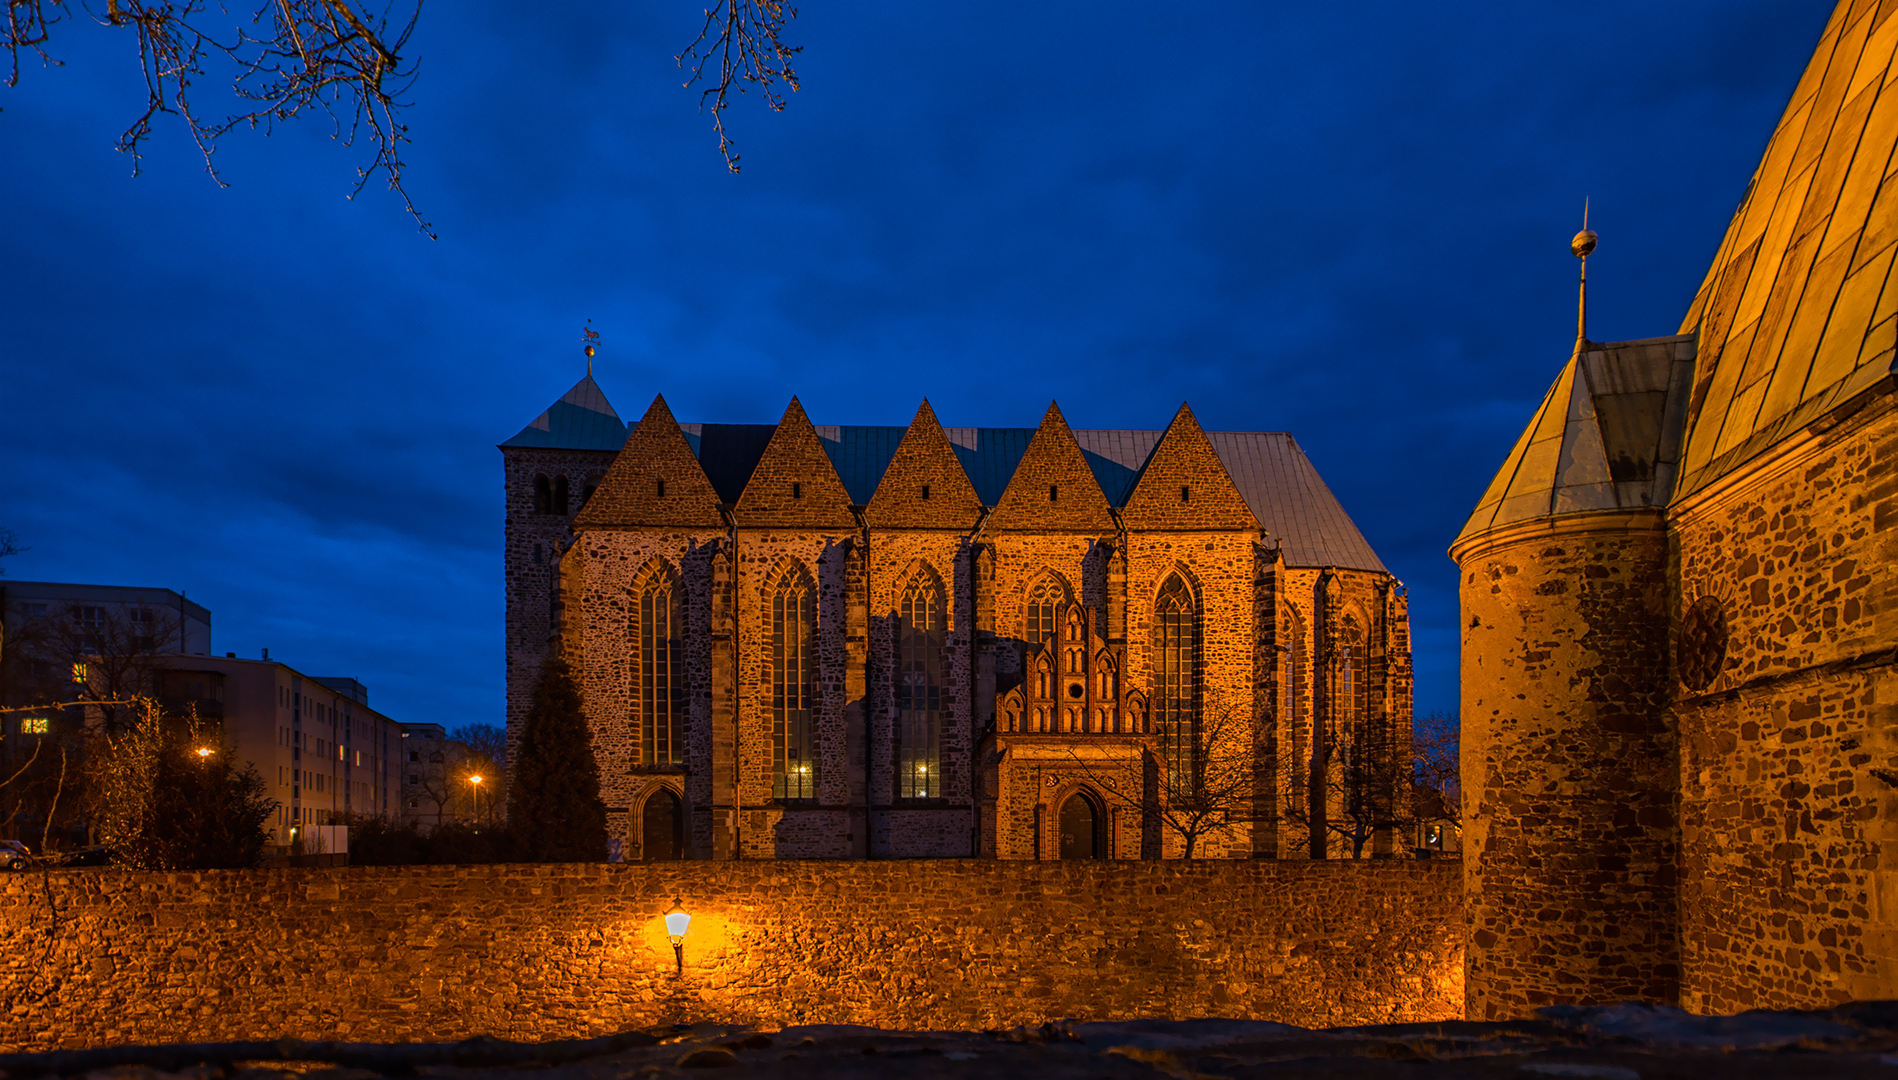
[591, 338]
[1583, 243]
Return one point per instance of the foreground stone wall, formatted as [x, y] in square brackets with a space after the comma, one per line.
[536, 952]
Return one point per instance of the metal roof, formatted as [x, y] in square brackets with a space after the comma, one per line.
[580, 420]
[1271, 472]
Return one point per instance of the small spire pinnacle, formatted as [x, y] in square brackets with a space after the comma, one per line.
[591, 337]
[1583, 243]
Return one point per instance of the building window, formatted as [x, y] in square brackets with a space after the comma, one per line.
[36, 725]
[560, 494]
[920, 637]
[543, 495]
[1044, 600]
[660, 704]
[1176, 682]
[793, 626]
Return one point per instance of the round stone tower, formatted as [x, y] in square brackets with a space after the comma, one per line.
[1569, 768]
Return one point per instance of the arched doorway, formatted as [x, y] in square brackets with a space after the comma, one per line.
[1080, 828]
[664, 834]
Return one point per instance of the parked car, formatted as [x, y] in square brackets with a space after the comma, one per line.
[14, 856]
[92, 856]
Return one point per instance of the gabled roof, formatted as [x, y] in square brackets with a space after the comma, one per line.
[923, 486]
[1183, 485]
[654, 481]
[1271, 473]
[580, 420]
[1606, 437]
[1795, 316]
[1053, 486]
[793, 484]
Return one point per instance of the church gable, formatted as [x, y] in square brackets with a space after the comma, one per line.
[654, 482]
[794, 485]
[1184, 485]
[924, 486]
[1053, 488]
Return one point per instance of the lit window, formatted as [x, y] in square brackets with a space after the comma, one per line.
[36, 725]
[919, 690]
[79, 671]
[661, 696]
[792, 673]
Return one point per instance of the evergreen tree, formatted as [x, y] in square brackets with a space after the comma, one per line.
[167, 795]
[553, 805]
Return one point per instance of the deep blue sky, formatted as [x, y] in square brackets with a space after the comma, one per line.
[1349, 222]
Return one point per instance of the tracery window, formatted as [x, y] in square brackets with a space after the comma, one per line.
[919, 678]
[1044, 600]
[793, 671]
[1348, 710]
[658, 690]
[1176, 681]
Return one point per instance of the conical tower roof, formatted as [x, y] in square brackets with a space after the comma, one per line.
[581, 420]
[1606, 437]
[1797, 312]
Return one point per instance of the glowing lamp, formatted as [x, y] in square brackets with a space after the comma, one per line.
[204, 751]
[676, 923]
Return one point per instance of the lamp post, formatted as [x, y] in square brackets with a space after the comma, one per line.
[676, 923]
[476, 782]
[204, 753]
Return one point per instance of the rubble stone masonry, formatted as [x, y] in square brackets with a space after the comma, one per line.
[540, 952]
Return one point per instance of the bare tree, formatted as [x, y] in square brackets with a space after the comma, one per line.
[96, 655]
[1208, 787]
[1362, 786]
[345, 60]
[1437, 747]
[9, 547]
[750, 49]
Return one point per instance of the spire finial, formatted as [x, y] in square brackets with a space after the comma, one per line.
[1583, 243]
[591, 337]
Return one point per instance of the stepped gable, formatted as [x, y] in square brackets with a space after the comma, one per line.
[1606, 437]
[654, 458]
[1796, 314]
[581, 420]
[1053, 488]
[1184, 485]
[924, 485]
[794, 485]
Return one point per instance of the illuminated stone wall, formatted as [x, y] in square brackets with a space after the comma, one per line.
[536, 952]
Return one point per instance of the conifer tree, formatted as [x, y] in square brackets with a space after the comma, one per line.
[554, 806]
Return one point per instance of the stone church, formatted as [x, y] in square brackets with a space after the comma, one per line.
[806, 641]
[1680, 612]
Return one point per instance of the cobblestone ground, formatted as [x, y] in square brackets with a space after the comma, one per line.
[1622, 1042]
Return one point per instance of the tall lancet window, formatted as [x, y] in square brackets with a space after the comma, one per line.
[792, 675]
[1349, 711]
[658, 689]
[1176, 682]
[919, 678]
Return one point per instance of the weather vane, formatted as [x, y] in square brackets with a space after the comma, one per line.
[591, 338]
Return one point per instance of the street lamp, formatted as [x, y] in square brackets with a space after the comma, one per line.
[204, 752]
[676, 922]
[476, 781]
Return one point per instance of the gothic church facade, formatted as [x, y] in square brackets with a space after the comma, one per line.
[797, 641]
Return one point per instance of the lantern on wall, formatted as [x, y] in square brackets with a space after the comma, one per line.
[677, 921]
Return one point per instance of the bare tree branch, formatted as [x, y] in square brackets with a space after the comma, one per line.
[295, 55]
[749, 49]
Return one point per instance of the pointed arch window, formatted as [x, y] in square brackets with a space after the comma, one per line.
[792, 689]
[658, 690]
[1044, 601]
[919, 679]
[1349, 709]
[543, 495]
[560, 494]
[1176, 681]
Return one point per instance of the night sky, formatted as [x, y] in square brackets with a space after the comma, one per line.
[1345, 221]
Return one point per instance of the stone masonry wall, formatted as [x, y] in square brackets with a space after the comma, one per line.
[539, 952]
[1788, 899]
[1569, 766]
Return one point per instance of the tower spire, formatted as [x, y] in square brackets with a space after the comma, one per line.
[1583, 243]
